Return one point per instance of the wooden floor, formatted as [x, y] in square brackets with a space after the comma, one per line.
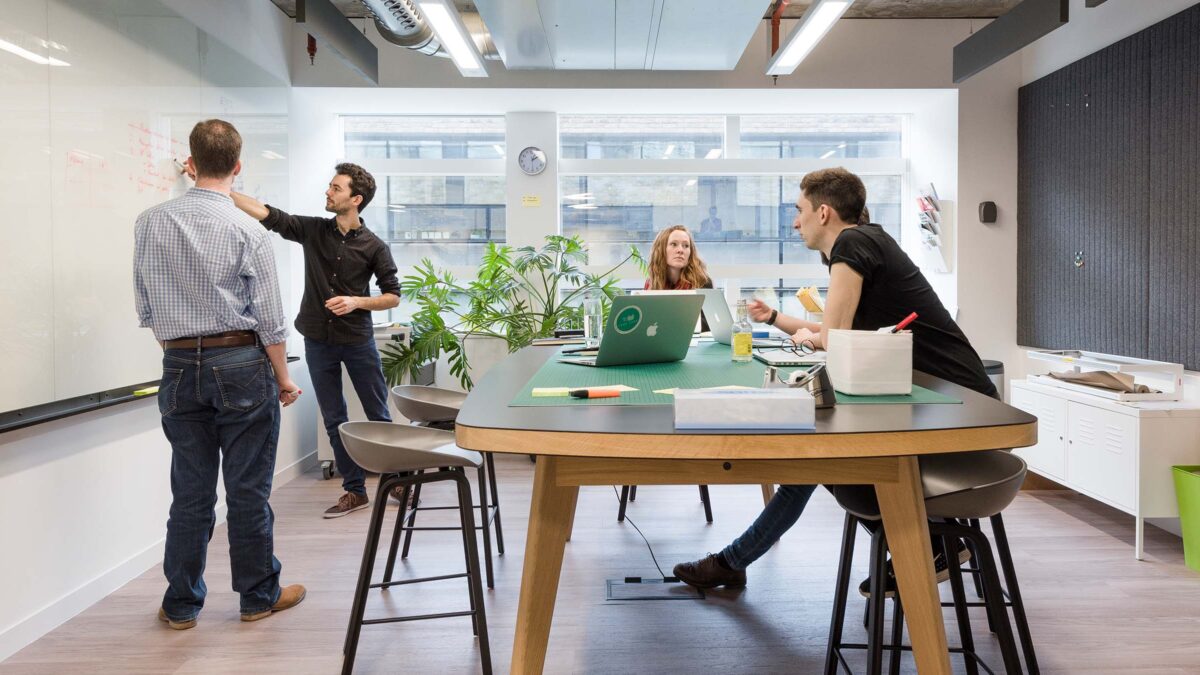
[1093, 609]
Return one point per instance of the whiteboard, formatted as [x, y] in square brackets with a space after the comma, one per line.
[85, 148]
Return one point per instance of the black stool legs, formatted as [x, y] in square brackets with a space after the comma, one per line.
[989, 583]
[467, 518]
[629, 494]
[489, 514]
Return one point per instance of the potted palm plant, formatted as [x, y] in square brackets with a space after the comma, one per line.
[517, 295]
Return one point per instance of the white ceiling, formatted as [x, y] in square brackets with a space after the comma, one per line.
[621, 34]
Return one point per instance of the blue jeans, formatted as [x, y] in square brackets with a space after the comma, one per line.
[366, 374]
[778, 517]
[220, 410]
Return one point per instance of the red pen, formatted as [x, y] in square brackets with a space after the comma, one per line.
[595, 393]
[907, 320]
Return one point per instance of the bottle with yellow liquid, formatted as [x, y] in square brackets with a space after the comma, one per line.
[742, 336]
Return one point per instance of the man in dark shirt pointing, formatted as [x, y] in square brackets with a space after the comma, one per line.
[340, 256]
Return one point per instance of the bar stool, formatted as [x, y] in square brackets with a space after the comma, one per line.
[629, 494]
[437, 408]
[397, 452]
[958, 487]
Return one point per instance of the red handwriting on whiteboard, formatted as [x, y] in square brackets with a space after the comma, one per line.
[153, 153]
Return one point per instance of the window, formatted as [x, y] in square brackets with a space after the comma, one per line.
[736, 220]
[821, 136]
[423, 137]
[448, 217]
[641, 136]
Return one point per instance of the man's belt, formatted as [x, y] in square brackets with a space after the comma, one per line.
[233, 338]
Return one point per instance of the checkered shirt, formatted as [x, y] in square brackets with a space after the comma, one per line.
[201, 266]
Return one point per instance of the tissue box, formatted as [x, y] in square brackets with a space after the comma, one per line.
[864, 362]
[744, 409]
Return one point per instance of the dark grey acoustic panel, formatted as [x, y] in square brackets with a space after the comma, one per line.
[1084, 154]
[1174, 215]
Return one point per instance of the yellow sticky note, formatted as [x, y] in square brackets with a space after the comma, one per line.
[147, 391]
[550, 391]
[531, 201]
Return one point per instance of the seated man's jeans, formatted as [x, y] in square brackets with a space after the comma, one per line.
[778, 517]
[366, 374]
[220, 410]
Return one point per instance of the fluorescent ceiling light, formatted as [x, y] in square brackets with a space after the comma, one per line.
[713, 154]
[582, 206]
[271, 154]
[30, 56]
[813, 26]
[669, 150]
[580, 195]
[690, 182]
[449, 28]
[499, 150]
[828, 154]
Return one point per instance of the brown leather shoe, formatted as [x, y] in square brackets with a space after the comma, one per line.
[348, 503]
[397, 493]
[708, 572]
[289, 596]
[175, 625]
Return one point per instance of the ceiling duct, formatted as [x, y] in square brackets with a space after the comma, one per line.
[400, 23]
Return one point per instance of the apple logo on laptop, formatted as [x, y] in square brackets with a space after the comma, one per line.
[652, 330]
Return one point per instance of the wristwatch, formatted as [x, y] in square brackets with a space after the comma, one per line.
[774, 315]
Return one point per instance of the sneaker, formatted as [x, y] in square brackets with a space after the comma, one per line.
[348, 503]
[940, 570]
[289, 596]
[709, 572]
[175, 625]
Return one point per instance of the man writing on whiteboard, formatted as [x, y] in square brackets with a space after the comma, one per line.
[205, 283]
[340, 256]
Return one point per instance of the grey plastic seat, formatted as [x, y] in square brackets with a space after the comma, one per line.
[435, 409]
[427, 405]
[384, 447]
[958, 487]
[403, 455]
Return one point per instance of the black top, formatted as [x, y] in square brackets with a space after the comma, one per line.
[335, 264]
[893, 287]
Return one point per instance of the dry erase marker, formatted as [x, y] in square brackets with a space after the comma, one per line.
[595, 393]
[907, 320]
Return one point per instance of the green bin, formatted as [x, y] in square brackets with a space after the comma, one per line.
[1187, 492]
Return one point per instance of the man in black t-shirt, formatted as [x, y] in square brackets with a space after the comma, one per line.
[872, 284]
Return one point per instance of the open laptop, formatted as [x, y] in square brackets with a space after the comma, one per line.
[786, 358]
[720, 319]
[646, 329]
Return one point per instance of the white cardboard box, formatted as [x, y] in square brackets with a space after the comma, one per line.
[778, 408]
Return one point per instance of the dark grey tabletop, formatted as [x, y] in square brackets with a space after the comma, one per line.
[979, 422]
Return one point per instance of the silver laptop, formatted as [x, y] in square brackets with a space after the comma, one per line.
[786, 358]
[720, 319]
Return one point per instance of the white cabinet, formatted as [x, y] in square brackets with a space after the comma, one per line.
[1118, 453]
[1049, 456]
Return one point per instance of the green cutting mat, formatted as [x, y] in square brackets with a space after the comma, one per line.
[707, 365]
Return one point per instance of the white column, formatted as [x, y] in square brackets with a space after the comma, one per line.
[531, 201]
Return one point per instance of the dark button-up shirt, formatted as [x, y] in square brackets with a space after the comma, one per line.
[334, 265]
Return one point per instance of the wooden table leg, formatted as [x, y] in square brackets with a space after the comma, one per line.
[768, 493]
[571, 518]
[902, 505]
[549, 523]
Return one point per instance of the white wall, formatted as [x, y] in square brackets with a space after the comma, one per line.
[84, 500]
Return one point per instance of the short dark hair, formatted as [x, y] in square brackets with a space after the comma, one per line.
[843, 191]
[215, 146]
[362, 183]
